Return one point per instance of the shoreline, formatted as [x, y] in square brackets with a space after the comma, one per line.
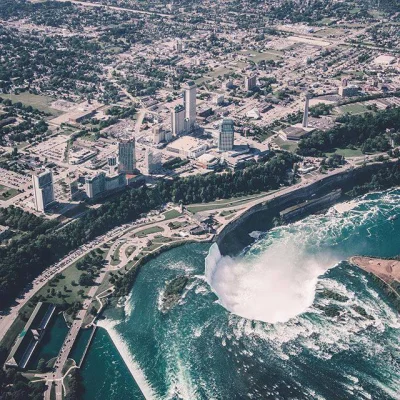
[386, 270]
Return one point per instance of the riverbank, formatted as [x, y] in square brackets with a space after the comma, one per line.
[267, 212]
[387, 270]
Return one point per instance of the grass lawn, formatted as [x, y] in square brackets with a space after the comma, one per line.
[226, 213]
[115, 257]
[161, 239]
[152, 247]
[352, 109]
[347, 152]
[220, 72]
[129, 250]
[71, 294]
[287, 145]
[171, 214]
[215, 205]
[88, 137]
[14, 331]
[7, 192]
[266, 56]
[148, 231]
[176, 224]
[40, 102]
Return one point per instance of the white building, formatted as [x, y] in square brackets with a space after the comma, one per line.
[152, 162]
[99, 184]
[188, 147]
[43, 190]
[190, 105]
[226, 135]
[127, 156]
[158, 134]
[178, 120]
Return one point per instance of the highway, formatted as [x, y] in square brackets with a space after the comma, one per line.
[131, 10]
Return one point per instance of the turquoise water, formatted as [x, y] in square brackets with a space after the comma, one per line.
[263, 325]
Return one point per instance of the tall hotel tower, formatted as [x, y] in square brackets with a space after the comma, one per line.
[190, 105]
[43, 190]
[126, 156]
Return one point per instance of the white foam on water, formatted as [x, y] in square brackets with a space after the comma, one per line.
[128, 306]
[132, 365]
[275, 286]
[255, 234]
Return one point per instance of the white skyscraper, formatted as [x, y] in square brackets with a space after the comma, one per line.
[226, 135]
[190, 105]
[158, 134]
[178, 120]
[43, 190]
[152, 162]
[305, 116]
[127, 156]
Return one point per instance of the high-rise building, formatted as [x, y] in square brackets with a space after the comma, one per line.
[95, 185]
[112, 163]
[126, 156]
[167, 136]
[152, 162]
[179, 46]
[226, 136]
[43, 190]
[178, 120]
[250, 82]
[158, 134]
[305, 116]
[100, 183]
[190, 105]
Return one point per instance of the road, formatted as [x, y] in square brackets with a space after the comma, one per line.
[115, 8]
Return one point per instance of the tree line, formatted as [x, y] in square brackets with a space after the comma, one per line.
[368, 131]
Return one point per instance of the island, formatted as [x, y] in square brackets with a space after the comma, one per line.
[173, 292]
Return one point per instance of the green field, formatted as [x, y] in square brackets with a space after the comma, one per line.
[218, 204]
[148, 231]
[171, 214]
[129, 250]
[40, 102]
[266, 56]
[115, 260]
[353, 109]
[7, 192]
[347, 152]
[70, 295]
[287, 145]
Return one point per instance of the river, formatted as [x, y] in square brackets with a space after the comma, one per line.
[287, 318]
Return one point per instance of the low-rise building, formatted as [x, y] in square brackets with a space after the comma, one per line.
[188, 146]
[30, 336]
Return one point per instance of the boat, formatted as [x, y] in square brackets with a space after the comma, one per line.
[393, 217]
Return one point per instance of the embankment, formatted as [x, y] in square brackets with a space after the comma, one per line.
[308, 199]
